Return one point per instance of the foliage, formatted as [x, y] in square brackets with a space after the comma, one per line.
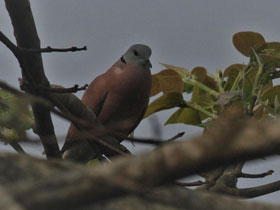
[15, 117]
[200, 96]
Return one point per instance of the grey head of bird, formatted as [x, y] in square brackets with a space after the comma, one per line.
[138, 54]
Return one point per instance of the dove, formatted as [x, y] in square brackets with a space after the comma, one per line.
[119, 98]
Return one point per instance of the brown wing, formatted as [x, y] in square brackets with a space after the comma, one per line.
[94, 98]
[138, 120]
[96, 94]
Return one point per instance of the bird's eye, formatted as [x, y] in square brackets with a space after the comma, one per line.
[135, 52]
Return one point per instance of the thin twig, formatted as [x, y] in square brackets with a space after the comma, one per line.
[190, 184]
[14, 144]
[178, 135]
[17, 147]
[50, 49]
[154, 141]
[21, 51]
[261, 175]
[73, 89]
[53, 89]
[144, 141]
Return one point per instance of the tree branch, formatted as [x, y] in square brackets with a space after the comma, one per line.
[10, 45]
[53, 89]
[73, 89]
[253, 176]
[30, 170]
[197, 200]
[32, 70]
[260, 190]
[190, 184]
[154, 141]
[237, 139]
[50, 49]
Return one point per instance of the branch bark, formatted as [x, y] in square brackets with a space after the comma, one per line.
[32, 70]
[253, 192]
[231, 143]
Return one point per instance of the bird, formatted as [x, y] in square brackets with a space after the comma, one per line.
[119, 98]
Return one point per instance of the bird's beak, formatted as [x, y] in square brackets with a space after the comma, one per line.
[148, 62]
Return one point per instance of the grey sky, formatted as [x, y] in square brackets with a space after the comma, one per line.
[180, 32]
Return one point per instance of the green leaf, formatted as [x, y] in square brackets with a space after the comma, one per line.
[155, 86]
[201, 76]
[180, 70]
[211, 83]
[244, 41]
[188, 88]
[12, 135]
[271, 94]
[16, 114]
[270, 59]
[231, 73]
[247, 90]
[267, 86]
[206, 101]
[270, 48]
[234, 67]
[5, 95]
[166, 81]
[270, 53]
[166, 101]
[170, 81]
[200, 73]
[184, 115]
[202, 116]
[195, 94]
[93, 162]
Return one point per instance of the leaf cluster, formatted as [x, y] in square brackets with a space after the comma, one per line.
[200, 96]
[15, 117]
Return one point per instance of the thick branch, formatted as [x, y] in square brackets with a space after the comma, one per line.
[226, 144]
[10, 45]
[32, 69]
[30, 169]
[7, 201]
[183, 199]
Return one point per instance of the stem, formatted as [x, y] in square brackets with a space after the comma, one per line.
[201, 86]
[220, 81]
[256, 88]
[239, 77]
[202, 110]
[236, 82]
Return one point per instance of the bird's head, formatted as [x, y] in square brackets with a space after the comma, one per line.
[138, 54]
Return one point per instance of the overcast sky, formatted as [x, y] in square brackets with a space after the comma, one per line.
[180, 32]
